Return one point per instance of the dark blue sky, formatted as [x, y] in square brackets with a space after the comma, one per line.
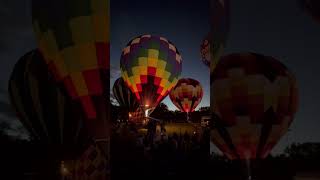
[184, 23]
[272, 27]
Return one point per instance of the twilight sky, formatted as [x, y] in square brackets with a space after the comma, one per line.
[182, 22]
[271, 27]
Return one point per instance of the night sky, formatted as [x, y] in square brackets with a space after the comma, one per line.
[271, 27]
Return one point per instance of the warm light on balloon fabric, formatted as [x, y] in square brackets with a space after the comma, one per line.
[254, 99]
[73, 37]
[150, 66]
[187, 94]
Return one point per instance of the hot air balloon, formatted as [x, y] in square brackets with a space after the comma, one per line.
[73, 37]
[205, 51]
[186, 95]
[150, 66]
[124, 96]
[254, 99]
[312, 7]
[219, 23]
[52, 119]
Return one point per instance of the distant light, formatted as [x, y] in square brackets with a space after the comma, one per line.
[146, 105]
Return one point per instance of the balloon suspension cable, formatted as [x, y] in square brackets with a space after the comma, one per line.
[249, 177]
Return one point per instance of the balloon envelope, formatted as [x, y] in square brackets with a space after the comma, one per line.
[73, 37]
[124, 96]
[46, 111]
[150, 66]
[187, 94]
[254, 98]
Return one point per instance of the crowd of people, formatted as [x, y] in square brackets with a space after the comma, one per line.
[156, 151]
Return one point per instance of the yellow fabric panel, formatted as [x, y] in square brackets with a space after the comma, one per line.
[159, 72]
[136, 70]
[143, 61]
[143, 70]
[152, 62]
[82, 29]
[101, 26]
[137, 79]
[79, 83]
[87, 56]
[166, 75]
[161, 64]
[153, 54]
[163, 82]
[167, 86]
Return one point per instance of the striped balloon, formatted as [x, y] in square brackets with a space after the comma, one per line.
[150, 66]
[254, 98]
[187, 94]
[124, 96]
[49, 115]
[73, 37]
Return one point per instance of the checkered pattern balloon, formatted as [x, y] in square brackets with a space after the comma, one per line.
[187, 94]
[124, 96]
[219, 22]
[254, 98]
[150, 66]
[73, 37]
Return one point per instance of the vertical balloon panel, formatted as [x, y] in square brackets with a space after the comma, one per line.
[73, 37]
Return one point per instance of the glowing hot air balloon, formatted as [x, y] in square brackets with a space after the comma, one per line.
[186, 95]
[150, 66]
[73, 37]
[254, 98]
